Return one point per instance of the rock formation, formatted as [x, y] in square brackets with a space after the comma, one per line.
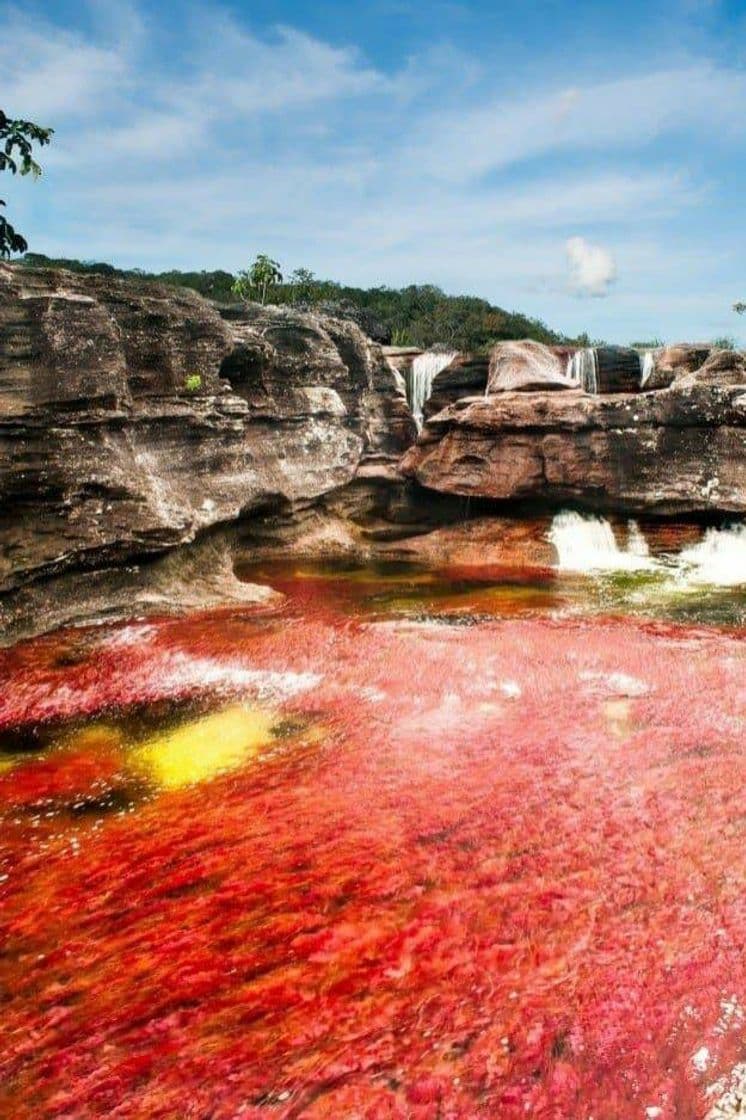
[677, 451]
[134, 416]
[136, 419]
[466, 376]
[682, 357]
[525, 367]
[722, 367]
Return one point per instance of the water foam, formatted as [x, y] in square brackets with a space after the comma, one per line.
[588, 544]
[719, 558]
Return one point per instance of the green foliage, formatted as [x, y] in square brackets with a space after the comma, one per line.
[725, 342]
[257, 281]
[193, 382]
[418, 315]
[650, 344]
[17, 139]
[740, 308]
[304, 286]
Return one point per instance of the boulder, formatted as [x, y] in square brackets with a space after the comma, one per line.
[723, 367]
[525, 366]
[678, 451]
[681, 358]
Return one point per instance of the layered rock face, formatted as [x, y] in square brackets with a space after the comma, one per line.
[678, 451]
[133, 416]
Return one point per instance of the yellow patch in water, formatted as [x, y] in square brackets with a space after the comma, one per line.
[97, 737]
[203, 749]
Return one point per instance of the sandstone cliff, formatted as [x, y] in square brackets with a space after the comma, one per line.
[134, 416]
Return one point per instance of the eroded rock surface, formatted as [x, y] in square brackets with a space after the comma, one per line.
[134, 416]
[525, 367]
[681, 450]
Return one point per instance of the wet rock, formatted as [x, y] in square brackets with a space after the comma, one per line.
[481, 543]
[525, 367]
[466, 376]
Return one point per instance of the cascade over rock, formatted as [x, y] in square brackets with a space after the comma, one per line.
[466, 376]
[422, 373]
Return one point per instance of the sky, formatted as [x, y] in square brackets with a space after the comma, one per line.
[583, 162]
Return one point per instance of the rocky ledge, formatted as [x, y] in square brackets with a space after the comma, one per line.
[676, 451]
[134, 417]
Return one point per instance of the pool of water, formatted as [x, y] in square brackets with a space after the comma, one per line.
[414, 844]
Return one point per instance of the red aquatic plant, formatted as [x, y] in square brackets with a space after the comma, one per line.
[485, 872]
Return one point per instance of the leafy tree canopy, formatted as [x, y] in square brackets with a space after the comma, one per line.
[17, 139]
[257, 281]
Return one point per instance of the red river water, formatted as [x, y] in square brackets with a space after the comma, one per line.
[381, 852]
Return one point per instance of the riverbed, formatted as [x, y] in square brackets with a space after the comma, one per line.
[413, 843]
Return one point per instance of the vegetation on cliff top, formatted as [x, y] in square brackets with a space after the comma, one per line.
[418, 315]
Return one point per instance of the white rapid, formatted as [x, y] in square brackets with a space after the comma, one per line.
[423, 372]
[719, 558]
[582, 368]
[588, 544]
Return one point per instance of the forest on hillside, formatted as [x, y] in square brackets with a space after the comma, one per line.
[418, 315]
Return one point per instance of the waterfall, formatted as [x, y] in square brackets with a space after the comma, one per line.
[719, 558]
[587, 544]
[423, 372]
[582, 368]
[648, 367]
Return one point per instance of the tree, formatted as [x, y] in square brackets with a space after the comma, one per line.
[17, 139]
[740, 308]
[304, 285]
[258, 280]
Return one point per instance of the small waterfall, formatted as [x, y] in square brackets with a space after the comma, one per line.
[423, 372]
[582, 368]
[647, 362]
[588, 544]
[719, 558]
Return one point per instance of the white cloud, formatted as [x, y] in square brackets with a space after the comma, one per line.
[602, 116]
[592, 268]
[49, 74]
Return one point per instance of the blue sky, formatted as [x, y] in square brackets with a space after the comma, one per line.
[583, 162]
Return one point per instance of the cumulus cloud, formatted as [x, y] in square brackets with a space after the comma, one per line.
[592, 268]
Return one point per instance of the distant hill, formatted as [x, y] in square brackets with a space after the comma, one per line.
[418, 315]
